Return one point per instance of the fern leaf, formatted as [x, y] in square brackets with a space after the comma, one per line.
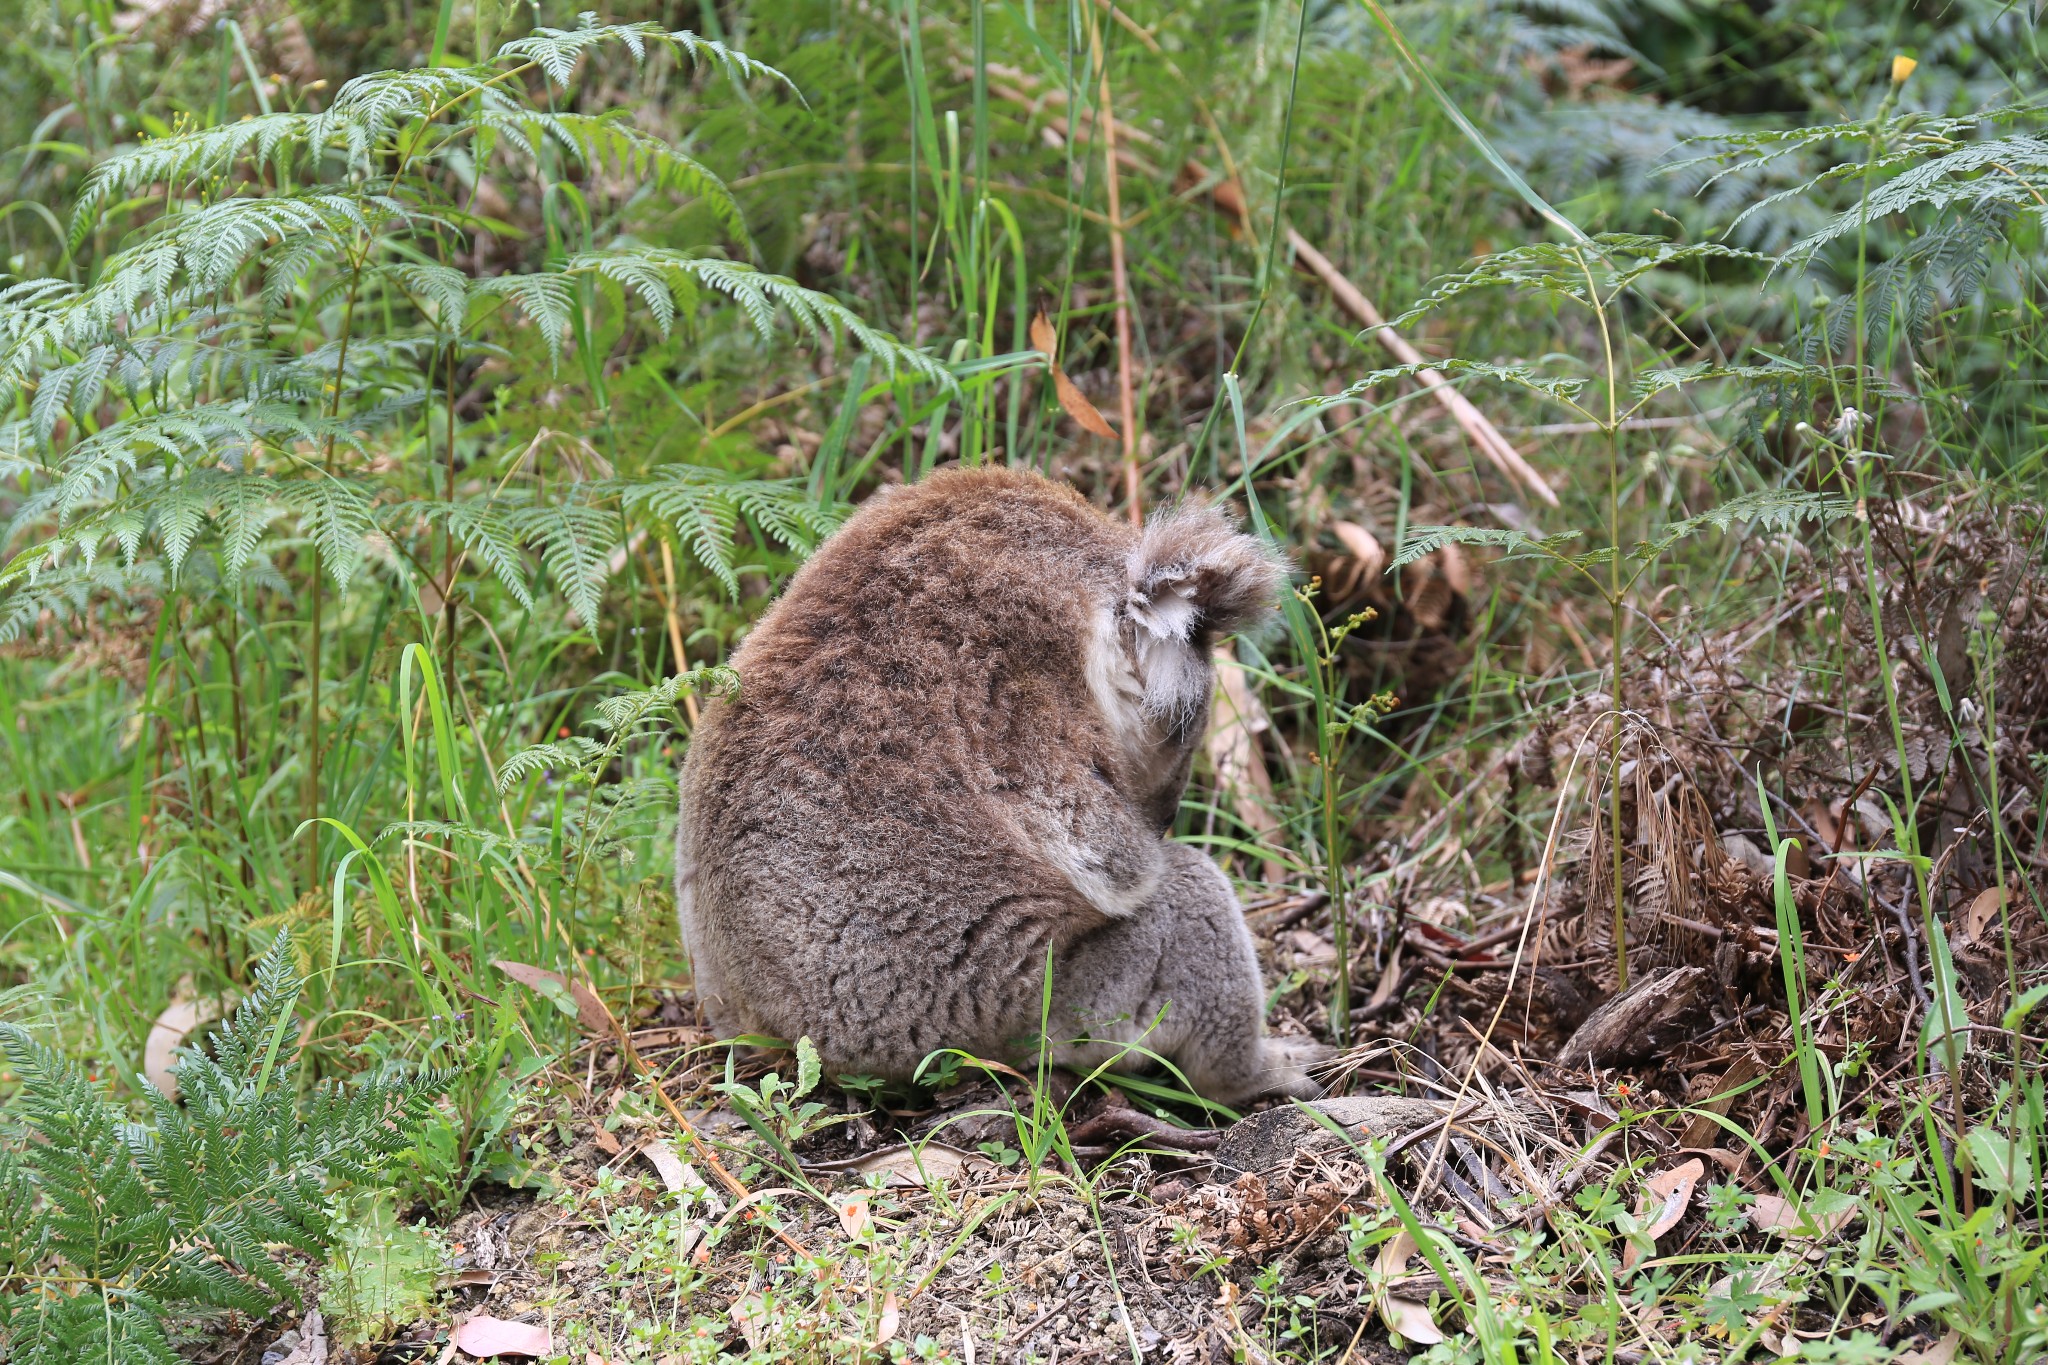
[485, 533]
[100, 1215]
[570, 756]
[607, 141]
[761, 296]
[336, 515]
[200, 154]
[545, 299]
[1423, 541]
[556, 51]
[1558, 388]
[703, 517]
[574, 540]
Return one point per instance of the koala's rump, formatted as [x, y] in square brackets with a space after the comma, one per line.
[884, 904]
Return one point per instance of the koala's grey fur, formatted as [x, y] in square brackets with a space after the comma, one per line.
[958, 743]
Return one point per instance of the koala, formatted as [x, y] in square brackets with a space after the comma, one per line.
[958, 744]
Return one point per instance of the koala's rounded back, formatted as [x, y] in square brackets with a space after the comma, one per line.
[956, 743]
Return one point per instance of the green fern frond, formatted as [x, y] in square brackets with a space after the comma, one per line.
[622, 715]
[118, 1225]
[336, 515]
[607, 141]
[1423, 541]
[485, 533]
[70, 389]
[1769, 509]
[704, 508]
[91, 469]
[556, 51]
[368, 110]
[200, 154]
[65, 593]
[1558, 388]
[546, 299]
[761, 296]
[575, 542]
[2018, 167]
[1587, 272]
[570, 756]
[445, 287]
[1666, 378]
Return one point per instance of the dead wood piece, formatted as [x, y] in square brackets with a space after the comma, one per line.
[1639, 1023]
[1478, 429]
[1270, 1140]
[1129, 1123]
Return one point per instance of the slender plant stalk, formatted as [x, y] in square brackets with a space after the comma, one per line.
[348, 316]
[1120, 287]
[1613, 592]
[448, 564]
[313, 727]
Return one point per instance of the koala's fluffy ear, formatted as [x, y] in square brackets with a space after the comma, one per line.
[1195, 579]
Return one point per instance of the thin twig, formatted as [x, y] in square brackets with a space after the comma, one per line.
[1481, 432]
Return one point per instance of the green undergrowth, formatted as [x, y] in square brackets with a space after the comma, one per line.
[404, 412]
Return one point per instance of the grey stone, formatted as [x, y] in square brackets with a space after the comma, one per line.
[1269, 1140]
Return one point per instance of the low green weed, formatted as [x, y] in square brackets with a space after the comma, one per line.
[112, 1225]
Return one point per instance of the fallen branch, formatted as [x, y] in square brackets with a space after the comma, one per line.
[1129, 1123]
[1226, 196]
[1481, 432]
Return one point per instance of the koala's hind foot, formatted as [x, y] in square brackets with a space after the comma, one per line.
[1287, 1064]
[1178, 979]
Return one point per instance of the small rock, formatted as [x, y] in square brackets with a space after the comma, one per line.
[1265, 1141]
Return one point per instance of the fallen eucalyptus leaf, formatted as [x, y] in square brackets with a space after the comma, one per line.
[1665, 1196]
[553, 986]
[488, 1338]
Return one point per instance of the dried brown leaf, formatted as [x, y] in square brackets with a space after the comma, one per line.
[590, 1011]
[487, 1338]
[1072, 400]
[1363, 546]
[1940, 1353]
[749, 1313]
[1774, 1213]
[852, 1209]
[166, 1035]
[1403, 1315]
[1665, 1196]
[1982, 913]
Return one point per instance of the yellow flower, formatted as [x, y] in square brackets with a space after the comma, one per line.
[1902, 67]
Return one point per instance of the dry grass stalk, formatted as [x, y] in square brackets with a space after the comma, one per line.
[1120, 287]
[1234, 730]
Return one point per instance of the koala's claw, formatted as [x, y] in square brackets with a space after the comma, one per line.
[1286, 1064]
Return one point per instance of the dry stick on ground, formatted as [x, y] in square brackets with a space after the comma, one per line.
[1230, 199]
[1228, 196]
[1225, 194]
